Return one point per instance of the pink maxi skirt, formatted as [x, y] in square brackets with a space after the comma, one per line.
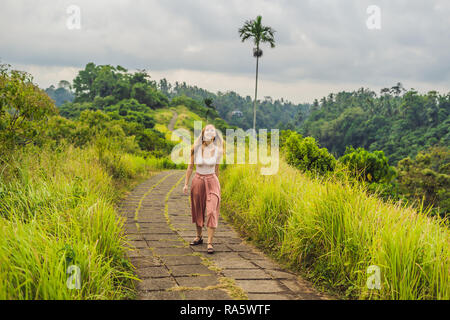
[205, 196]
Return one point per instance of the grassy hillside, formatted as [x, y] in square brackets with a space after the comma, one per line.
[184, 119]
[332, 231]
[57, 209]
[60, 181]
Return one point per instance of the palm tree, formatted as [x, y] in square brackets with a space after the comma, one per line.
[260, 34]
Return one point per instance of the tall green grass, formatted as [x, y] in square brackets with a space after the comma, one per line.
[332, 230]
[57, 208]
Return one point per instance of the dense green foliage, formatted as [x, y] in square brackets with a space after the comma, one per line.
[131, 100]
[305, 154]
[400, 125]
[105, 85]
[428, 177]
[131, 111]
[370, 166]
[115, 84]
[24, 108]
[93, 124]
[122, 99]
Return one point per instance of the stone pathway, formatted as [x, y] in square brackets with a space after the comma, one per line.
[173, 121]
[159, 229]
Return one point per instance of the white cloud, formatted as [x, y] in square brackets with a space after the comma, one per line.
[193, 49]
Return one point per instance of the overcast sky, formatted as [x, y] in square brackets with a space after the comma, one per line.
[322, 46]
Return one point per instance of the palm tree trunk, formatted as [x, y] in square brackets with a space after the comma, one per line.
[256, 91]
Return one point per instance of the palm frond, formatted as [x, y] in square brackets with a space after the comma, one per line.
[254, 29]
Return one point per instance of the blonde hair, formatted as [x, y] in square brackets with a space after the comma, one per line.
[217, 140]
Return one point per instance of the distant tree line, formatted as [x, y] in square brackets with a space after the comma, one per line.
[399, 122]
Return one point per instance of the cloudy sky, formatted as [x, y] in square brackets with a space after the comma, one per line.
[322, 46]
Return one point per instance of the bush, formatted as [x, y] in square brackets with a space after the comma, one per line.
[369, 166]
[22, 106]
[146, 94]
[427, 175]
[304, 154]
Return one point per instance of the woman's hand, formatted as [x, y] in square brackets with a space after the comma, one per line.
[185, 189]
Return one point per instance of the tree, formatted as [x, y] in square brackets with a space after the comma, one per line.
[83, 83]
[305, 154]
[143, 93]
[370, 166]
[24, 109]
[208, 103]
[164, 86]
[62, 94]
[413, 108]
[260, 34]
[65, 84]
[397, 89]
[427, 177]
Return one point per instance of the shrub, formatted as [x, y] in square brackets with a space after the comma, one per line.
[22, 105]
[369, 166]
[304, 154]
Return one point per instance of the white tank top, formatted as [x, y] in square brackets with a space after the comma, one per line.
[206, 165]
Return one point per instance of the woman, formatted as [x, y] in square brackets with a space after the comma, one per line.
[206, 153]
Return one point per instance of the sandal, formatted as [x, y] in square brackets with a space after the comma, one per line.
[210, 250]
[196, 242]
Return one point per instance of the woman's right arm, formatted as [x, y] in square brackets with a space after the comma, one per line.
[188, 173]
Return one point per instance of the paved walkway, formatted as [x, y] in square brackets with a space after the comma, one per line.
[159, 229]
[173, 121]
